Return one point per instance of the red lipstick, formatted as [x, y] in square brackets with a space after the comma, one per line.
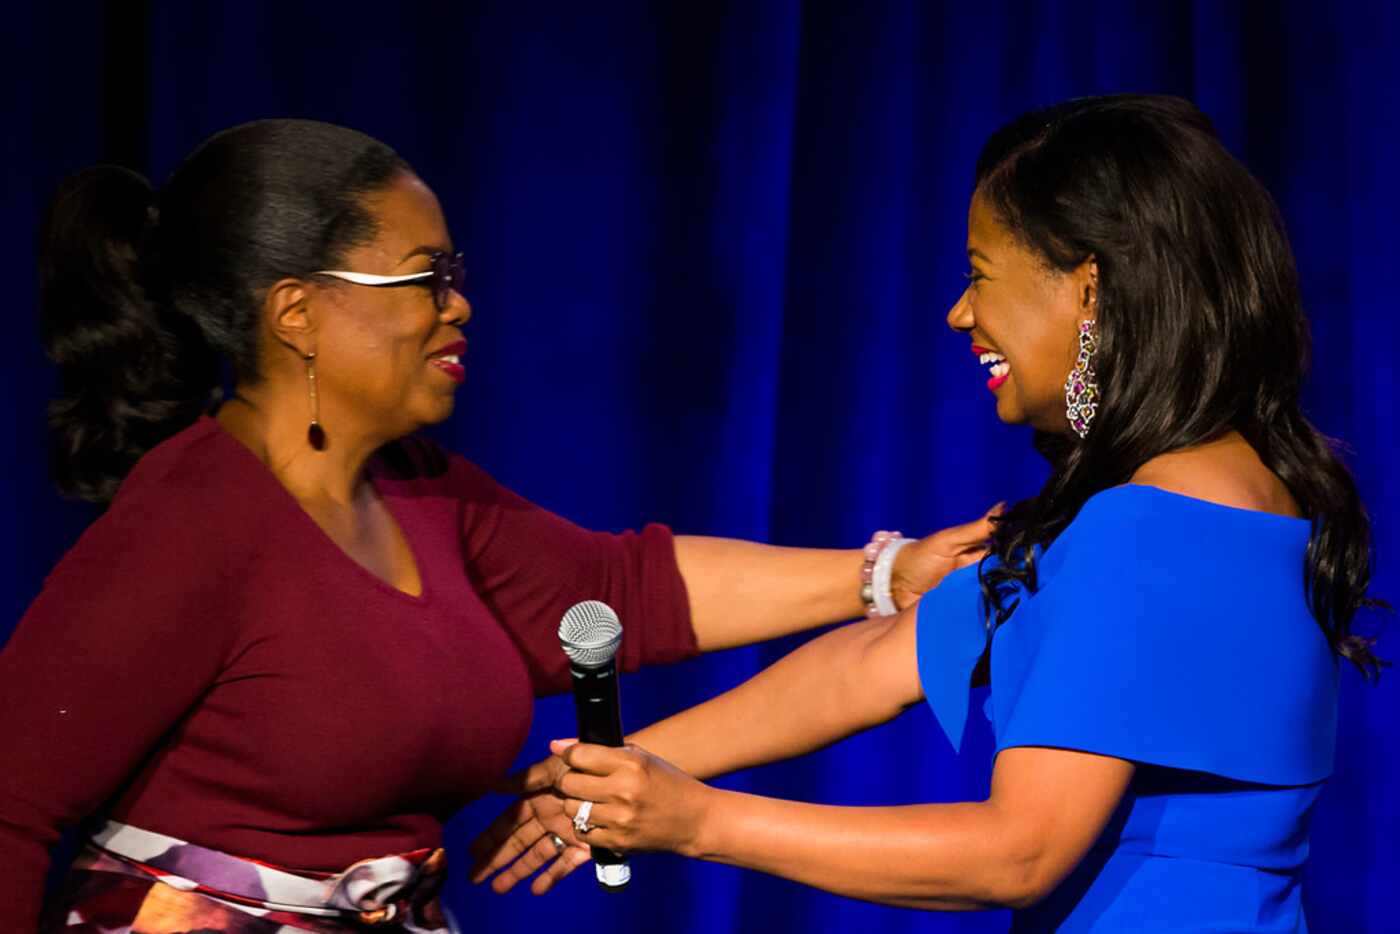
[448, 360]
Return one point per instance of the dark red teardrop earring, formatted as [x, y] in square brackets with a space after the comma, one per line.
[315, 435]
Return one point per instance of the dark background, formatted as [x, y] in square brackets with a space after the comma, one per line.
[711, 245]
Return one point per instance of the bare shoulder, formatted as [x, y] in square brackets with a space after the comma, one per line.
[1226, 471]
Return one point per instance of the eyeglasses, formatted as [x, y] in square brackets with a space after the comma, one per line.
[447, 276]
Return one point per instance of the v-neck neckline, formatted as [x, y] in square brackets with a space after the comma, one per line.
[420, 599]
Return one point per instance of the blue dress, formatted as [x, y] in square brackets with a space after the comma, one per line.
[1174, 633]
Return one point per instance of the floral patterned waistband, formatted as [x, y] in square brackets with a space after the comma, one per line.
[396, 892]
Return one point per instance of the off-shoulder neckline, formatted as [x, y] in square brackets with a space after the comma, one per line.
[1187, 499]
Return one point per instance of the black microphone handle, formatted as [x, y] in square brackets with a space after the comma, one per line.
[599, 722]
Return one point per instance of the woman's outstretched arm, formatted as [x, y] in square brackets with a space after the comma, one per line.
[1045, 810]
[744, 592]
[840, 683]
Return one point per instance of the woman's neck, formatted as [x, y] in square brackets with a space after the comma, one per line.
[277, 436]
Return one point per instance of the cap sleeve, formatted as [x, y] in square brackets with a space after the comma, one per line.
[951, 636]
[1176, 635]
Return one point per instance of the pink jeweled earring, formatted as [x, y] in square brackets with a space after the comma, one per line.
[315, 435]
[1081, 388]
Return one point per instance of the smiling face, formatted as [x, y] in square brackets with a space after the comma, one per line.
[387, 356]
[1022, 318]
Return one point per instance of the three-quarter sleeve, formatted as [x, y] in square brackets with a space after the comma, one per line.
[530, 565]
[117, 646]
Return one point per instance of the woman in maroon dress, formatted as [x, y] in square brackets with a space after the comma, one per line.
[298, 639]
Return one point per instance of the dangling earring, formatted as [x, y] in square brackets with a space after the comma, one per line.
[1081, 388]
[315, 435]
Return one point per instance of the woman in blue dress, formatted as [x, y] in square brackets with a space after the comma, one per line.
[1162, 625]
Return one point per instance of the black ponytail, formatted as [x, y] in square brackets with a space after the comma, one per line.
[144, 296]
[131, 373]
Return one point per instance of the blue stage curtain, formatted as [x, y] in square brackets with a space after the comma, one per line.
[711, 246]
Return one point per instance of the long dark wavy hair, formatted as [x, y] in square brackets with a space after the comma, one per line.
[1200, 322]
[146, 295]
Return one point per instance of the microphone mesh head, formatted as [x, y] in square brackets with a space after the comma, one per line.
[590, 633]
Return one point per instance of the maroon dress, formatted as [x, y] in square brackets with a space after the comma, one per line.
[206, 663]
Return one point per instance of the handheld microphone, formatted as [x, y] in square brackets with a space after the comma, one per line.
[590, 634]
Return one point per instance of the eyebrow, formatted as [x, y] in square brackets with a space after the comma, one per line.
[426, 250]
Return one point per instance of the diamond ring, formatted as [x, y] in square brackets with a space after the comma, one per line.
[581, 823]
